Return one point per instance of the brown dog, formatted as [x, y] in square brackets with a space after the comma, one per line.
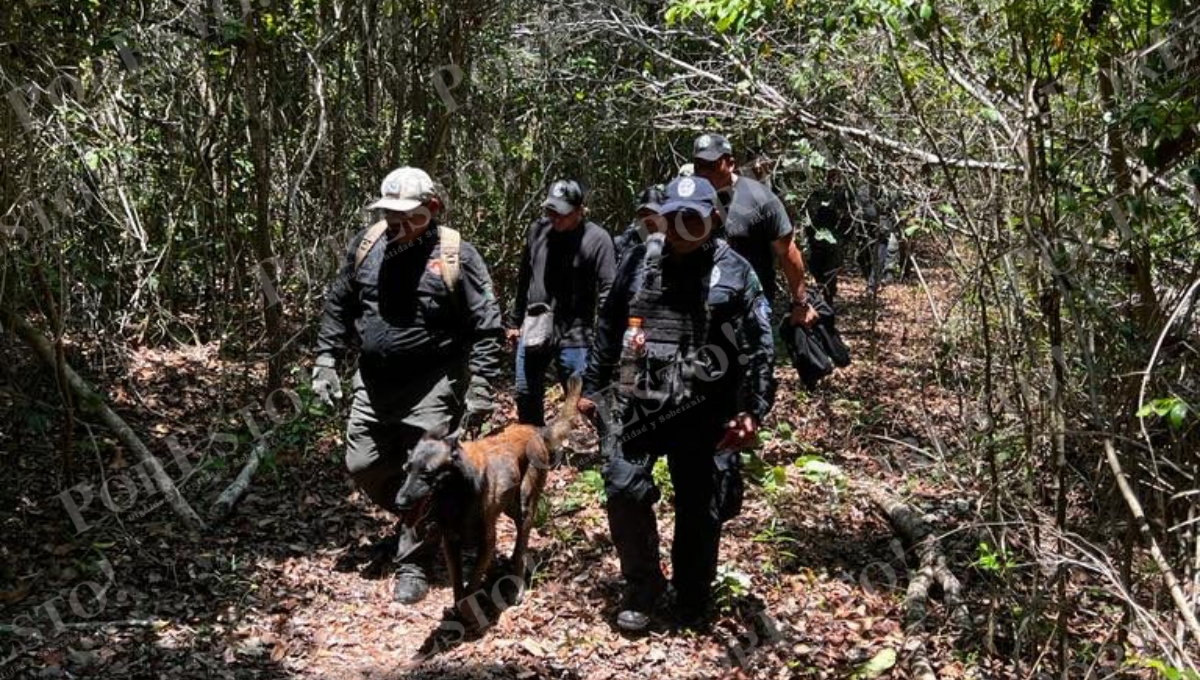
[469, 484]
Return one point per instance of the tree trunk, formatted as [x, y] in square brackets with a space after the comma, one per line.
[266, 270]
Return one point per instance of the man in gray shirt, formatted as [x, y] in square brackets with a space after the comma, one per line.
[756, 223]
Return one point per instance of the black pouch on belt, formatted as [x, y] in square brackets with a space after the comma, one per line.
[729, 486]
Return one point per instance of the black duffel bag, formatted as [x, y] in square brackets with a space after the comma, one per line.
[815, 351]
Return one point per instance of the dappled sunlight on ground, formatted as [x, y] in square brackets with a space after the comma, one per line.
[812, 580]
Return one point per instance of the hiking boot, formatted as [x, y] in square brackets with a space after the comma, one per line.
[692, 616]
[637, 605]
[692, 611]
[411, 584]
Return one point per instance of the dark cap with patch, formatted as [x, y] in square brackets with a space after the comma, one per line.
[564, 197]
[651, 198]
[690, 193]
[711, 147]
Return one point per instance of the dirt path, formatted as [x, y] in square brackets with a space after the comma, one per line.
[812, 578]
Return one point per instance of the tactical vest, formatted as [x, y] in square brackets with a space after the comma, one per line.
[675, 322]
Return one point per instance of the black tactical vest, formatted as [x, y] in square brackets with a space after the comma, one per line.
[675, 321]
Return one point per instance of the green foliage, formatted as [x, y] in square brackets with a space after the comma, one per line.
[730, 586]
[753, 466]
[36, 420]
[819, 471]
[662, 478]
[587, 488]
[777, 537]
[725, 16]
[593, 481]
[1171, 409]
[774, 481]
[542, 515]
[993, 561]
[877, 666]
[1169, 672]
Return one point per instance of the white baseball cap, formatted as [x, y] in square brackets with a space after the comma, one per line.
[405, 189]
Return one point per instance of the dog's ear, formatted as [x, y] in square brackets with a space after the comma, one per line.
[452, 442]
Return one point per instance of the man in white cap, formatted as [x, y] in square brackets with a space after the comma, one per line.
[418, 300]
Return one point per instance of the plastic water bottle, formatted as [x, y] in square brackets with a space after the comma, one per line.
[633, 346]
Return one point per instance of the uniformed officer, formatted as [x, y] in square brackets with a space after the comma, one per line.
[887, 244]
[566, 271]
[756, 223]
[829, 230]
[687, 330]
[647, 221]
[419, 302]
[865, 216]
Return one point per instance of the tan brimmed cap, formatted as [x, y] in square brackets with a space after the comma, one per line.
[404, 189]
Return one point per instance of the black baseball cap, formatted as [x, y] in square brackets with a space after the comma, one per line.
[711, 147]
[564, 196]
[690, 193]
[651, 198]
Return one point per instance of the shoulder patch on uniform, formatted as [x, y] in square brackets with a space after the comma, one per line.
[715, 277]
[687, 187]
[752, 281]
[762, 311]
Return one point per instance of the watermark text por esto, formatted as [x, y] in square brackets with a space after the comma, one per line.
[45, 621]
[120, 493]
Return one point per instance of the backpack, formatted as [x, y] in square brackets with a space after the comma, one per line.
[449, 240]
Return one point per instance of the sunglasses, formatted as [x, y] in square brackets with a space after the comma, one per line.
[417, 216]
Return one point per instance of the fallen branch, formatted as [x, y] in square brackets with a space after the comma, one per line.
[1143, 526]
[92, 403]
[932, 569]
[229, 498]
[6, 629]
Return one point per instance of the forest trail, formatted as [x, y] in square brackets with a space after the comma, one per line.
[812, 574]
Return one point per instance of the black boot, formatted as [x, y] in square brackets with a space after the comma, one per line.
[692, 612]
[411, 584]
[638, 603]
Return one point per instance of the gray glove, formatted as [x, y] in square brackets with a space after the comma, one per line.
[326, 383]
[480, 404]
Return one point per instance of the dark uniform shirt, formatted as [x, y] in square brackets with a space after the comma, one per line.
[398, 308]
[829, 217]
[755, 218]
[626, 242]
[571, 270]
[739, 326]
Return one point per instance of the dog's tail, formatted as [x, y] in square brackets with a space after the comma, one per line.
[556, 432]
